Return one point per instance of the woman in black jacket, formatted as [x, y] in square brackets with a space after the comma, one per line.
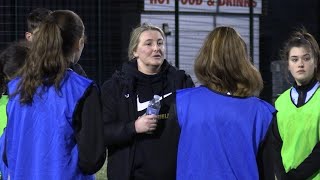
[134, 152]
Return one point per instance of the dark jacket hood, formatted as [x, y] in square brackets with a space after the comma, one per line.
[131, 69]
[137, 78]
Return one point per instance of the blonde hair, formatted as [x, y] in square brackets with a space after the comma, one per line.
[135, 35]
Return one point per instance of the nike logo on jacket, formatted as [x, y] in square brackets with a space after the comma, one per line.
[144, 105]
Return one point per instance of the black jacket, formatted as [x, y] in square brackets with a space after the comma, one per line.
[119, 98]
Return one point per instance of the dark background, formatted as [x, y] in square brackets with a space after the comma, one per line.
[109, 22]
[279, 19]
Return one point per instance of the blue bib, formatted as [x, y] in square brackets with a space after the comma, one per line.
[220, 134]
[40, 137]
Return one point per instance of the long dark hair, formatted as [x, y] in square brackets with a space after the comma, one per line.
[11, 60]
[52, 51]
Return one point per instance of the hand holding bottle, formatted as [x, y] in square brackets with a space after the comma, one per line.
[146, 123]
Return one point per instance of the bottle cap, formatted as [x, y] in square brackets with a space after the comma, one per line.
[156, 97]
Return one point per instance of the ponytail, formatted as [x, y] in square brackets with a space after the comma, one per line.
[46, 63]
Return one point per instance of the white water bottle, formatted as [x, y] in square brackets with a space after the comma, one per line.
[154, 106]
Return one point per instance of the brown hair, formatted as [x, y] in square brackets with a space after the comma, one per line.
[301, 38]
[51, 53]
[224, 65]
[135, 35]
[35, 17]
[11, 60]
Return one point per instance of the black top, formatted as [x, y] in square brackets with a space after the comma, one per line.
[88, 127]
[141, 156]
[303, 90]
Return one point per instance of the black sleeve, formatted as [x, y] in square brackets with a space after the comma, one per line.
[182, 80]
[173, 109]
[308, 167]
[189, 82]
[277, 143]
[88, 126]
[117, 132]
[78, 69]
[269, 154]
[4, 152]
